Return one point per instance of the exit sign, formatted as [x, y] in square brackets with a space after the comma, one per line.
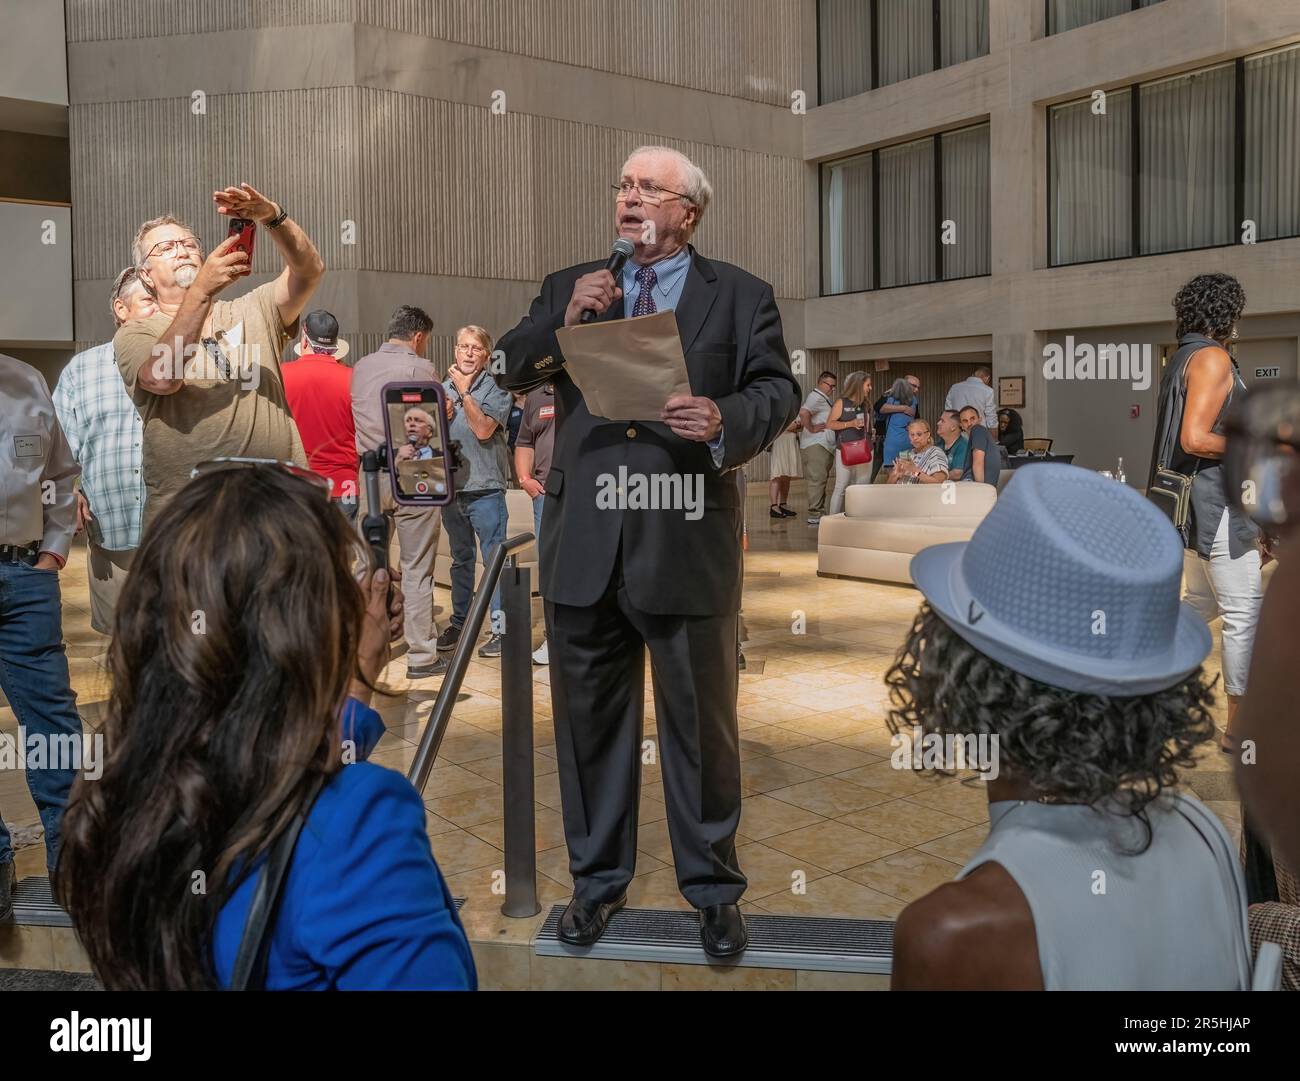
[1267, 373]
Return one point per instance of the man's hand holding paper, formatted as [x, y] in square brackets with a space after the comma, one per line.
[631, 369]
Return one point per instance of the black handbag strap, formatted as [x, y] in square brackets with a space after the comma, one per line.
[249, 973]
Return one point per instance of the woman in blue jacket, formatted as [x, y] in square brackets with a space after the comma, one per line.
[242, 664]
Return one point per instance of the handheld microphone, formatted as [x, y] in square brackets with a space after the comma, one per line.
[620, 252]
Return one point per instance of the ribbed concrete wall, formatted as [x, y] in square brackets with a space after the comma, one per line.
[742, 48]
[382, 124]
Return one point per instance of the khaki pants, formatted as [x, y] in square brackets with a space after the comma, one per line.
[416, 531]
[107, 571]
[819, 474]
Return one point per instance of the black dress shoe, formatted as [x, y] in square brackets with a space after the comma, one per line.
[584, 921]
[722, 930]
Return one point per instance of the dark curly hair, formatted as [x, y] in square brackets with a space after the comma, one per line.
[1209, 304]
[1075, 747]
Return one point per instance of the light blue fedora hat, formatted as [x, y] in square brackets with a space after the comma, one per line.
[1072, 580]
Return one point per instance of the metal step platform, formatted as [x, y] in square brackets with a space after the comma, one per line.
[813, 943]
[35, 906]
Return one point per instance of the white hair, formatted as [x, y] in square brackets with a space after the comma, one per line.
[696, 186]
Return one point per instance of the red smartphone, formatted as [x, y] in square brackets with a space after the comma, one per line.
[244, 228]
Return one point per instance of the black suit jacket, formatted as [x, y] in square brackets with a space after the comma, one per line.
[736, 355]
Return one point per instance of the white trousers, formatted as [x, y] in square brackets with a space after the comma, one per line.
[844, 476]
[1233, 589]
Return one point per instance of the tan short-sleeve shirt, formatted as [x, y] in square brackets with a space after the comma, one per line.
[232, 404]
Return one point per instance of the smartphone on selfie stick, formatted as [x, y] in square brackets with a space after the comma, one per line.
[420, 459]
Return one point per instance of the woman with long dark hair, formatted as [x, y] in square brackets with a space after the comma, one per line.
[1200, 384]
[1065, 669]
[242, 661]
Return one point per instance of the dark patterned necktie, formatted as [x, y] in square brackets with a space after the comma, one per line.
[645, 300]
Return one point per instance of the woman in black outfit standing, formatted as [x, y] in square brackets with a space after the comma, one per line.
[1200, 385]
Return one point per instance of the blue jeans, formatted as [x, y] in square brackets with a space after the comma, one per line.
[464, 518]
[539, 501]
[34, 677]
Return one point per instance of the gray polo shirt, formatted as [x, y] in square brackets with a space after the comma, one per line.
[482, 457]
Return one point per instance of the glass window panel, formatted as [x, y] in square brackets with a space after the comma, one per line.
[844, 48]
[1187, 174]
[906, 29]
[1273, 143]
[846, 226]
[907, 225]
[1091, 182]
[966, 201]
[1065, 15]
[963, 30]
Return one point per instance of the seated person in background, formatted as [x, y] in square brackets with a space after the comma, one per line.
[955, 444]
[1096, 873]
[928, 463]
[217, 741]
[1011, 431]
[419, 428]
[983, 460]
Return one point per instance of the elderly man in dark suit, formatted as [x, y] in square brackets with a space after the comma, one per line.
[616, 581]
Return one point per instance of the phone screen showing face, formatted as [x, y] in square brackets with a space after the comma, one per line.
[244, 228]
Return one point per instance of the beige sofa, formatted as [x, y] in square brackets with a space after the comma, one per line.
[884, 525]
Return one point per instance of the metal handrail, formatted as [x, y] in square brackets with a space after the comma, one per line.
[440, 717]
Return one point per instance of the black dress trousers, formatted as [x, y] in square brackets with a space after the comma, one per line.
[598, 692]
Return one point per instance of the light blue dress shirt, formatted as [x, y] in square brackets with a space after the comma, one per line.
[104, 430]
[670, 280]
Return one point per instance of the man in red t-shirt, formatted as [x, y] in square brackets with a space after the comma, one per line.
[319, 391]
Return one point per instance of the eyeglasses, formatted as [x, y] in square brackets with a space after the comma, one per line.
[168, 247]
[471, 347]
[218, 465]
[651, 192]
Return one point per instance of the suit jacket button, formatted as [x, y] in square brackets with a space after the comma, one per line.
[631, 433]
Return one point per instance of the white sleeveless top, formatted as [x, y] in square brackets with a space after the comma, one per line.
[1110, 918]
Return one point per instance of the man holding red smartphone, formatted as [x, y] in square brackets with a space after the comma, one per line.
[205, 372]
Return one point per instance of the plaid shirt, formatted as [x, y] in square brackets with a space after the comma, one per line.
[105, 433]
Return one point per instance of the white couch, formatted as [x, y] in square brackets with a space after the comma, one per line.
[884, 525]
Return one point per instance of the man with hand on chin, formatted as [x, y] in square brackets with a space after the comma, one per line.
[477, 410]
[617, 581]
[205, 373]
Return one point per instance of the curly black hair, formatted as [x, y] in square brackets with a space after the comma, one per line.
[1209, 304]
[1071, 746]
